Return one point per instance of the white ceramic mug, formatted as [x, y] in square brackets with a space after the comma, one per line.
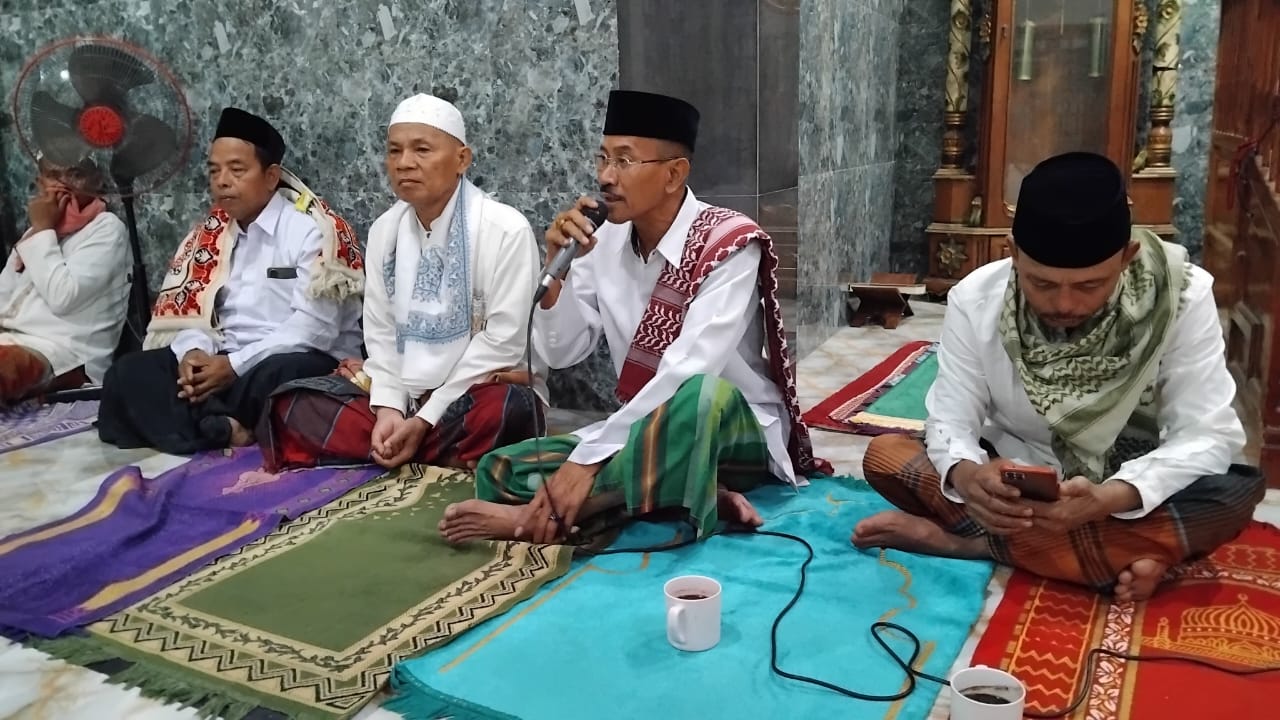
[981, 680]
[693, 612]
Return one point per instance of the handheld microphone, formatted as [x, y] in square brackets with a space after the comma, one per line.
[560, 263]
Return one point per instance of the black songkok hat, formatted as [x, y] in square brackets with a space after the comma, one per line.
[1073, 211]
[237, 123]
[642, 114]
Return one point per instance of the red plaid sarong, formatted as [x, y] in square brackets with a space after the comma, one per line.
[328, 421]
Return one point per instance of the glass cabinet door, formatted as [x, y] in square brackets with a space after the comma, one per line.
[1060, 84]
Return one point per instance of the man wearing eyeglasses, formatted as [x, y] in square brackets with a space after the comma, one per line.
[684, 294]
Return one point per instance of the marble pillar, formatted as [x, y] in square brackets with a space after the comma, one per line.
[1193, 118]
[919, 119]
[848, 145]
[531, 80]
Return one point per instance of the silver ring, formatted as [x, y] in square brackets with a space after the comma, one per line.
[554, 517]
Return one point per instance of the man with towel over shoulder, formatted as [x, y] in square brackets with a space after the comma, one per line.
[1096, 351]
[446, 317]
[684, 294]
[265, 290]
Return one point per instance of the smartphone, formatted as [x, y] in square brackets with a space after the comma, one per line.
[282, 273]
[1033, 481]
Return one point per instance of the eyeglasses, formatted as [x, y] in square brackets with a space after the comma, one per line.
[625, 163]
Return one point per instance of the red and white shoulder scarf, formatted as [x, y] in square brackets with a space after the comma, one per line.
[200, 267]
[715, 235]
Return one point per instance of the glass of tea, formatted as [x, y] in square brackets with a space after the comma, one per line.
[983, 693]
[693, 612]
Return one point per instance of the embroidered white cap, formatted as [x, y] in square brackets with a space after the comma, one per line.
[431, 110]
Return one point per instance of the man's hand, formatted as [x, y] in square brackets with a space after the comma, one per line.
[46, 207]
[387, 422]
[564, 493]
[187, 367]
[567, 228]
[401, 445]
[994, 504]
[1081, 501]
[348, 368]
[213, 376]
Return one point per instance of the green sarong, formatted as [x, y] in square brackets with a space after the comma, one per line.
[674, 457]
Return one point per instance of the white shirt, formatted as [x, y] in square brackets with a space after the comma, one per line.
[608, 291]
[978, 394]
[504, 272]
[69, 303]
[262, 316]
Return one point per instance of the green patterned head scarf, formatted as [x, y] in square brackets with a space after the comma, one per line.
[1097, 387]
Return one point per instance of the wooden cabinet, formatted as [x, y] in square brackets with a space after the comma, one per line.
[1242, 233]
[1058, 76]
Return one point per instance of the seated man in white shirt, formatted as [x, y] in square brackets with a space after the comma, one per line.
[685, 296]
[1094, 351]
[65, 288]
[446, 317]
[264, 291]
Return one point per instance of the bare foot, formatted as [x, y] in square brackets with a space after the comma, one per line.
[1140, 580]
[240, 435]
[734, 507]
[479, 520]
[902, 531]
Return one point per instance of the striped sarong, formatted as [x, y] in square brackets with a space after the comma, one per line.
[674, 457]
[1190, 524]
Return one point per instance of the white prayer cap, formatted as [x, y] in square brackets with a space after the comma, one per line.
[431, 110]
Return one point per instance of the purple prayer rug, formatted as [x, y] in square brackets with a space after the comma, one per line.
[31, 423]
[139, 535]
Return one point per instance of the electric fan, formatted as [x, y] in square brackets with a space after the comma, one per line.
[105, 100]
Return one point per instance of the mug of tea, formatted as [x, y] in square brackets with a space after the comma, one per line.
[983, 693]
[693, 612]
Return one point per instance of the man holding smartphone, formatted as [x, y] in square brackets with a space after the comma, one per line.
[1094, 353]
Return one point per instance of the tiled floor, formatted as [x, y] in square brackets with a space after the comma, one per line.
[47, 482]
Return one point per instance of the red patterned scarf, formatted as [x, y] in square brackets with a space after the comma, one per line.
[200, 267]
[715, 235]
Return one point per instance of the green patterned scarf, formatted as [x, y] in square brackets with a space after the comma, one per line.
[1097, 386]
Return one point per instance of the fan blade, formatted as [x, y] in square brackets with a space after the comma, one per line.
[103, 74]
[53, 130]
[149, 143]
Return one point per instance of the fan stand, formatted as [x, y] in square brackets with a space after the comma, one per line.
[138, 315]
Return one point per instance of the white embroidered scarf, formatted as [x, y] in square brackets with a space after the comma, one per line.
[432, 293]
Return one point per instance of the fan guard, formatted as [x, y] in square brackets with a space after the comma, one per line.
[105, 100]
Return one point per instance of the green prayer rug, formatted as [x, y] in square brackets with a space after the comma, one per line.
[309, 620]
[895, 404]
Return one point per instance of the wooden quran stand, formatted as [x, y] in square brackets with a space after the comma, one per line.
[882, 301]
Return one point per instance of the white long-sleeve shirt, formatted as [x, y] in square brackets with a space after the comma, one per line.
[607, 292]
[504, 272]
[69, 302]
[262, 316]
[978, 394]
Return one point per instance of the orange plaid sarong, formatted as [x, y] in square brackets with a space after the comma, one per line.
[1191, 524]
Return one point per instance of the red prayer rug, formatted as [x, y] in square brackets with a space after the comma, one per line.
[864, 390]
[1224, 609]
